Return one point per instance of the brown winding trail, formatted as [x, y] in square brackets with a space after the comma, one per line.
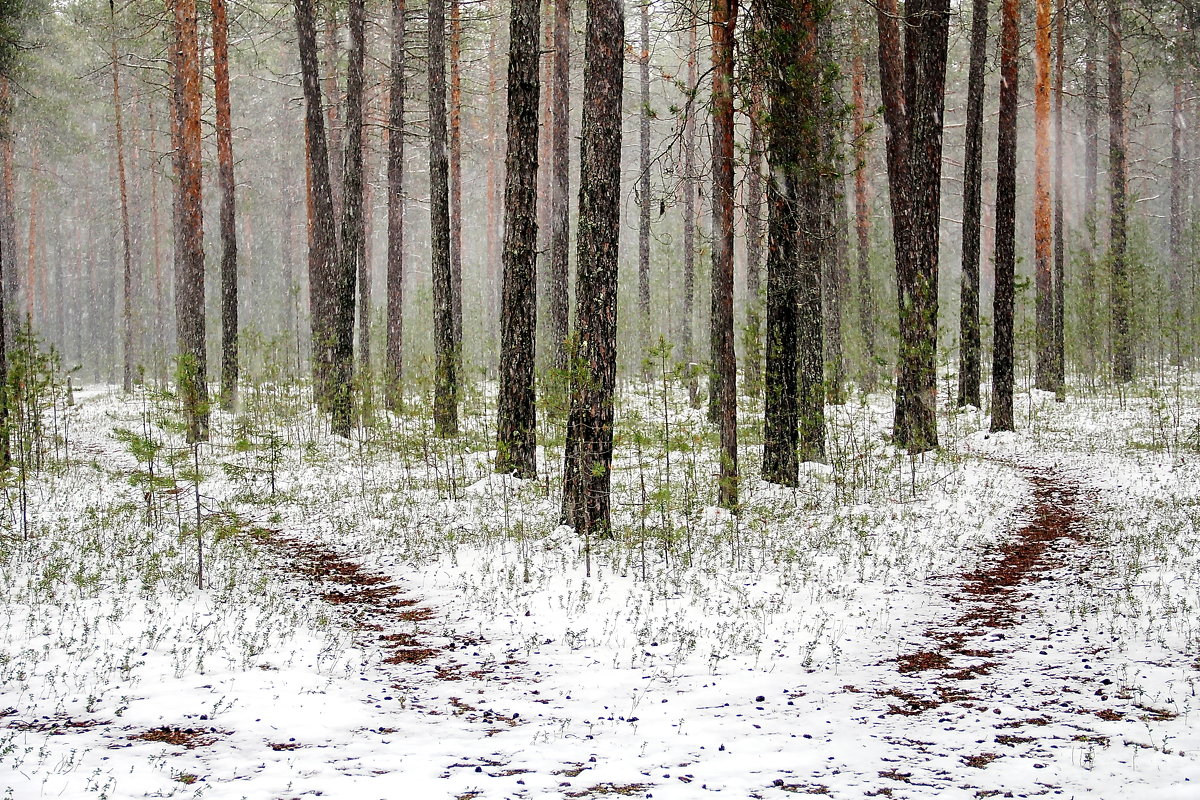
[993, 595]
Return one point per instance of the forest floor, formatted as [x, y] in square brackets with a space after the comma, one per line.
[1015, 615]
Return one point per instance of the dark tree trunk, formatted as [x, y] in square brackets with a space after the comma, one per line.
[1091, 158]
[1178, 304]
[515, 443]
[1042, 244]
[352, 229]
[1005, 258]
[862, 216]
[445, 389]
[456, 278]
[913, 90]
[189, 277]
[793, 159]
[812, 216]
[644, 202]
[1121, 291]
[395, 173]
[969, 339]
[755, 195]
[127, 263]
[560, 188]
[723, 384]
[323, 251]
[587, 478]
[229, 277]
[1060, 364]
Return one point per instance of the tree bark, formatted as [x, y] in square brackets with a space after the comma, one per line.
[969, 338]
[395, 171]
[793, 194]
[644, 321]
[1091, 159]
[127, 261]
[560, 187]
[1121, 291]
[1177, 301]
[1060, 233]
[587, 477]
[456, 276]
[1005, 258]
[862, 215]
[723, 384]
[323, 258]
[515, 443]
[755, 195]
[445, 390]
[687, 327]
[229, 276]
[1042, 244]
[342, 398]
[189, 277]
[913, 89]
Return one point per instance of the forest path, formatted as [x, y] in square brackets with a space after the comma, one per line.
[1004, 665]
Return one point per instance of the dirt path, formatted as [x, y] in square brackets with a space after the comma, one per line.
[1029, 692]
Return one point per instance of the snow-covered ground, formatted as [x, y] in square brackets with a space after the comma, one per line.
[696, 655]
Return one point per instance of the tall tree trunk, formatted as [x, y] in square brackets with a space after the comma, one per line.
[793, 189]
[395, 171]
[323, 257]
[687, 333]
[342, 398]
[644, 189]
[229, 276]
[1060, 364]
[1121, 292]
[1006, 187]
[831, 232]
[862, 214]
[913, 87]
[969, 339]
[456, 276]
[445, 389]
[127, 262]
[8, 222]
[723, 384]
[1042, 244]
[812, 215]
[189, 277]
[365, 275]
[560, 187]
[587, 478]
[333, 100]
[755, 195]
[515, 444]
[1178, 305]
[1091, 157]
[31, 272]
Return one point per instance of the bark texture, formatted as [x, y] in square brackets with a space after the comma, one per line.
[723, 384]
[394, 361]
[560, 188]
[1120, 292]
[446, 344]
[969, 339]
[587, 478]
[189, 275]
[1042, 244]
[229, 253]
[1005, 257]
[515, 439]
